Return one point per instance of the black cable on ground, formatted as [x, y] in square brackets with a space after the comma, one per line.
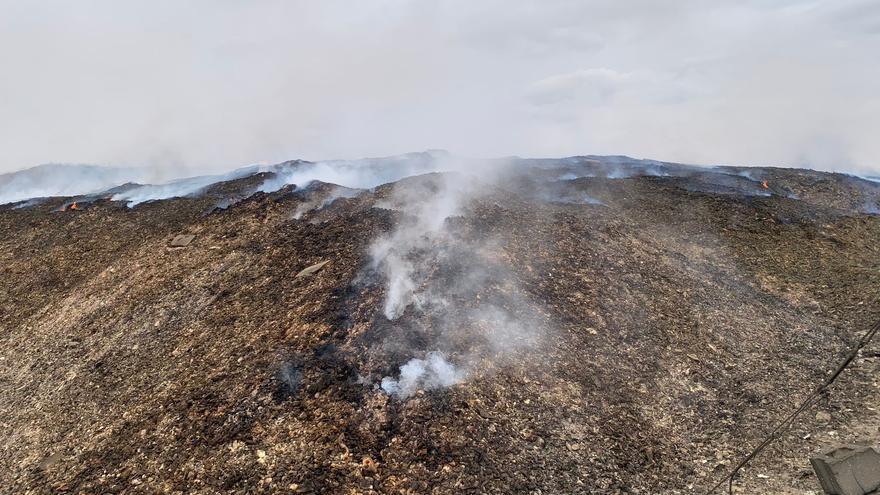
[787, 421]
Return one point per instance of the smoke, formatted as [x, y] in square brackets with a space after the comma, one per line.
[364, 173]
[550, 194]
[121, 184]
[549, 77]
[28, 203]
[417, 239]
[748, 174]
[422, 374]
[178, 188]
[568, 176]
[73, 180]
[625, 172]
[64, 180]
[325, 200]
[445, 280]
[352, 175]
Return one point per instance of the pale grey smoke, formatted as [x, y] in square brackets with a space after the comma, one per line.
[364, 173]
[64, 180]
[28, 203]
[422, 374]
[589, 200]
[568, 176]
[420, 228]
[72, 180]
[577, 197]
[424, 242]
[178, 188]
[324, 201]
[748, 174]
[787, 82]
[651, 170]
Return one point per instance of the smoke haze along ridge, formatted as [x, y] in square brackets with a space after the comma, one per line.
[211, 86]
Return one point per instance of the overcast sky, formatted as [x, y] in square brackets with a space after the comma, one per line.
[215, 84]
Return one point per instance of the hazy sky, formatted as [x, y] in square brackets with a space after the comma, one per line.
[217, 84]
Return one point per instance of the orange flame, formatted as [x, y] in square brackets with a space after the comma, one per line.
[73, 206]
[763, 184]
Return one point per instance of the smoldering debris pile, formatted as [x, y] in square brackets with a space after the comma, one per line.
[444, 276]
[422, 374]
[578, 325]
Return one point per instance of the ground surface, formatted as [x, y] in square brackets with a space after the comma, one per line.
[674, 319]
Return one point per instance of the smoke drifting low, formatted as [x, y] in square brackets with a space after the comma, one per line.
[316, 204]
[131, 185]
[422, 374]
[64, 180]
[360, 174]
[182, 187]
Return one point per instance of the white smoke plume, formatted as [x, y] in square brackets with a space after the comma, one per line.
[434, 275]
[324, 201]
[422, 374]
[397, 254]
[75, 180]
[64, 180]
[178, 188]
[365, 173]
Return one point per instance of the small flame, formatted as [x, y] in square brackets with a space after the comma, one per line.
[763, 184]
[71, 206]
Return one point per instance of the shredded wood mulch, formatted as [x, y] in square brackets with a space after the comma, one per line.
[681, 318]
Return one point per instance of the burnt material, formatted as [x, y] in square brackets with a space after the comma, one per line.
[678, 320]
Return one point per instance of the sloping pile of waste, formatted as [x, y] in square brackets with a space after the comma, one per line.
[428, 324]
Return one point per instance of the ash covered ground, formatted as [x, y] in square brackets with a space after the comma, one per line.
[581, 325]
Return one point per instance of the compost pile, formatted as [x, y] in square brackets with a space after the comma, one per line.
[576, 326]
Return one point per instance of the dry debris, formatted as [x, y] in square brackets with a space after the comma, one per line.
[311, 270]
[684, 318]
[181, 240]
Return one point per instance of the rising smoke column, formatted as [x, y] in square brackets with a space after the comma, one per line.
[445, 279]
